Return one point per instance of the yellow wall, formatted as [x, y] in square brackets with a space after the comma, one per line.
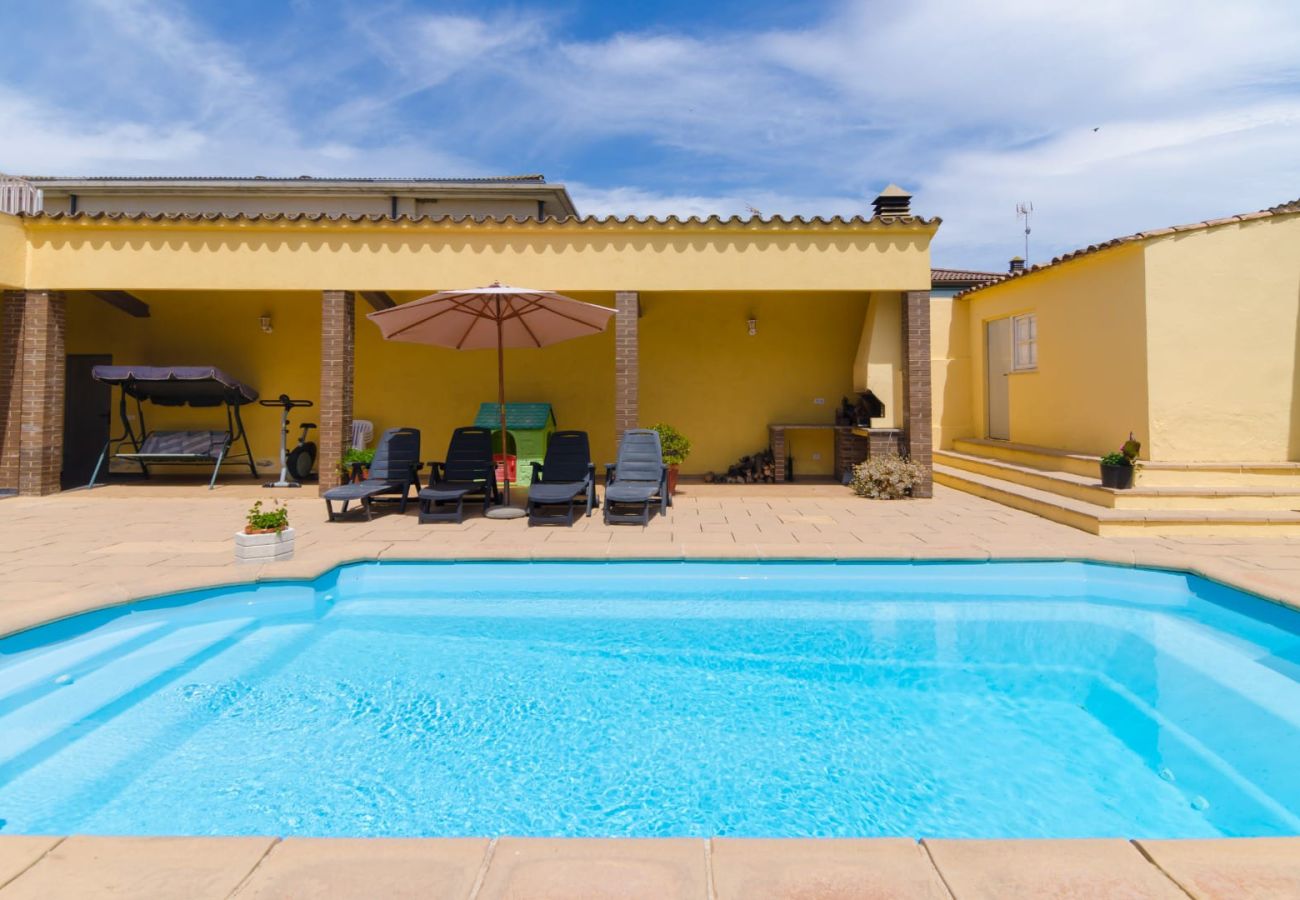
[950, 370]
[702, 373]
[1223, 342]
[219, 329]
[436, 389]
[424, 257]
[13, 252]
[878, 366]
[1090, 389]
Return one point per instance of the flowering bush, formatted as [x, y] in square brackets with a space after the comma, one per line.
[888, 477]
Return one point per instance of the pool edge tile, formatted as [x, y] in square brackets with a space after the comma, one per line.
[1086, 869]
[367, 867]
[830, 868]
[1230, 868]
[554, 868]
[142, 868]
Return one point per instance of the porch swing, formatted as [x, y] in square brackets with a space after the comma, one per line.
[193, 386]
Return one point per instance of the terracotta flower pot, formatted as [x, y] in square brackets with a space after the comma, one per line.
[672, 479]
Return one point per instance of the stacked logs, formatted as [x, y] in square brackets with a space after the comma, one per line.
[757, 468]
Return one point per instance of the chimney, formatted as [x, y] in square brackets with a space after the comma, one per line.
[893, 201]
[1017, 265]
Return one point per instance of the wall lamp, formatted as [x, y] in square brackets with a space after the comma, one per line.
[752, 326]
[265, 322]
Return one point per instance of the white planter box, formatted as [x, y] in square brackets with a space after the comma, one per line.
[260, 548]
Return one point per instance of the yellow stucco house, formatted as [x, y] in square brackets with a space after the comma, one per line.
[731, 330]
[1188, 337]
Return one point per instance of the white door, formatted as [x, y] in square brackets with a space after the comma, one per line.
[997, 364]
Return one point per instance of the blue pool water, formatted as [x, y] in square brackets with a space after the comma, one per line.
[664, 699]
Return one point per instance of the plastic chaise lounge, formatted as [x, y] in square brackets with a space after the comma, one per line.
[564, 477]
[638, 479]
[394, 470]
[469, 470]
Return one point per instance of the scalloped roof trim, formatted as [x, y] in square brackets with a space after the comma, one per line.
[534, 178]
[1282, 209]
[584, 221]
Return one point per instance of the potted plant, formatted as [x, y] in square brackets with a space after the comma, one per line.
[266, 536]
[355, 465]
[676, 448]
[1119, 466]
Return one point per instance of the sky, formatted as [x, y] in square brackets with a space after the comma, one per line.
[1109, 117]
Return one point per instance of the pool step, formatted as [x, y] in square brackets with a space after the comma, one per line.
[1098, 519]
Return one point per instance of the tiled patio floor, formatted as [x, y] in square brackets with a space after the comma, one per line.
[68, 553]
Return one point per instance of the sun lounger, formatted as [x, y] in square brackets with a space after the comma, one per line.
[469, 470]
[637, 479]
[566, 475]
[394, 470]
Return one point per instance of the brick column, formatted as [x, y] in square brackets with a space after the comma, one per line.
[42, 371]
[917, 414]
[337, 352]
[626, 362]
[11, 387]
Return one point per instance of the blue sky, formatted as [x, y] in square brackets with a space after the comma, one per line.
[1109, 116]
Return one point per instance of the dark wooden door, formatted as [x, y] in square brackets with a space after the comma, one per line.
[87, 416]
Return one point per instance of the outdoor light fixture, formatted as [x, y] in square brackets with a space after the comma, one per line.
[265, 322]
[752, 324]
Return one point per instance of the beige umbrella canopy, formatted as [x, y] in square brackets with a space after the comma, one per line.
[499, 316]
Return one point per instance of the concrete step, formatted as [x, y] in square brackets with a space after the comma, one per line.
[1102, 520]
[1142, 496]
[1153, 474]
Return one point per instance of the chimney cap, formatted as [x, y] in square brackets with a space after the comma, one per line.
[1017, 264]
[894, 190]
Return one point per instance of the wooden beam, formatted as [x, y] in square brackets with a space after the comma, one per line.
[127, 302]
[377, 299]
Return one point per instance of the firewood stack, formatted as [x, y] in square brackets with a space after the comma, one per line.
[755, 469]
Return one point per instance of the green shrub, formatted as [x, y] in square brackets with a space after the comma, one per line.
[675, 445]
[888, 477]
[1126, 455]
[273, 520]
[353, 455]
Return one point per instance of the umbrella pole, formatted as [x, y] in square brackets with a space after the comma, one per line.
[501, 402]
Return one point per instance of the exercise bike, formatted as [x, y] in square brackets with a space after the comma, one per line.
[297, 462]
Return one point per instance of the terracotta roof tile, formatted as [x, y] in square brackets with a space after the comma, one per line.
[961, 276]
[1288, 208]
[754, 223]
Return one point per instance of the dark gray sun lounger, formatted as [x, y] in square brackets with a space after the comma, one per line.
[393, 471]
[566, 475]
[637, 479]
[469, 470]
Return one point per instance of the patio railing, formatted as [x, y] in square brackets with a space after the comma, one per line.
[18, 195]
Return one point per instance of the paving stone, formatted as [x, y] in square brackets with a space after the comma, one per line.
[20, 852]
[360, 869]
[1254, 868]
[1061, 870]
[140, 868]
[824, 869]
[595, 869]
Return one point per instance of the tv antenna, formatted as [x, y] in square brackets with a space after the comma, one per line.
[1023, 211]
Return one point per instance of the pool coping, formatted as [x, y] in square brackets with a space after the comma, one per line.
[78, 601]
[660, 868]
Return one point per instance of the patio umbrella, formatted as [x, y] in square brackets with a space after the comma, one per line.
[499, 316]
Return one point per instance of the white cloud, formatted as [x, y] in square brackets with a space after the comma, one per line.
[972, 106]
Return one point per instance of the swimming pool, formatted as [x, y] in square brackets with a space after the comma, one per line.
[664, 699]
